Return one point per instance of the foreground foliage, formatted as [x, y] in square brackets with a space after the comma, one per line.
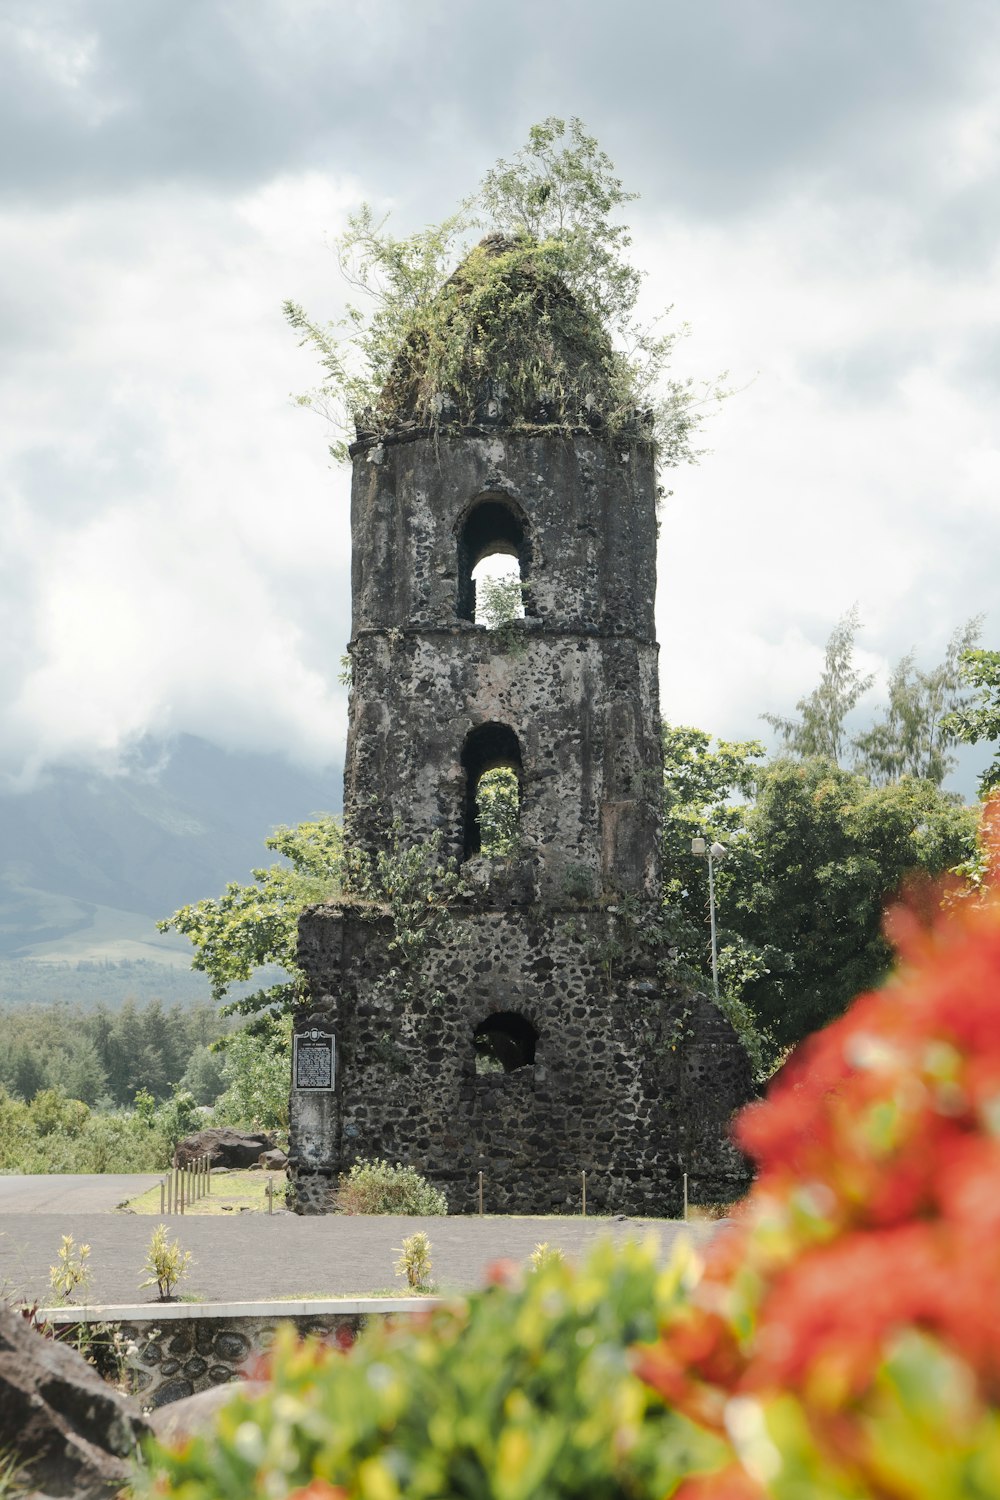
[844, 1340]
[524, 1391]
[841, 1341]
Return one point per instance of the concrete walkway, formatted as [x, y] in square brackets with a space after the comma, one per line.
[57, 1193]
[251, 1257]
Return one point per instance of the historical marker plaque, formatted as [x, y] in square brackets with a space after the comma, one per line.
[313, 1060]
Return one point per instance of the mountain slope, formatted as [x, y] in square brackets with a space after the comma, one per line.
[89, 862]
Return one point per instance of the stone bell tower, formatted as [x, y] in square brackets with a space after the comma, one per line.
[539, 1041]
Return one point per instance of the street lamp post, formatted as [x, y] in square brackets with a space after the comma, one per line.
[713, 853]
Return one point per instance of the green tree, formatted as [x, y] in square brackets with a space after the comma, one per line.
[974, 722]
[253, 928]
[498, 803]
[914, 731]
[813, 852]
[240, 936]
[706, 793]
[821, 852]
[203, 1076]
[26, 1074]
[82, 1075]
[820, 728]
[257, 1072]
[917, 728]
[555, 260]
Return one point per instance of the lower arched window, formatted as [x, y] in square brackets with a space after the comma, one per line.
[491, 759]
[504, 1042]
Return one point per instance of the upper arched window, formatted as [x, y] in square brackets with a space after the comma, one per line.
[492, 544]
[491, 759]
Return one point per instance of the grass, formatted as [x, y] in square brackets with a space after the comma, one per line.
[232, 1193]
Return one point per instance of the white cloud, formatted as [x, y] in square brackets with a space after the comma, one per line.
[176, 547]
[858, 466]
[181, 543]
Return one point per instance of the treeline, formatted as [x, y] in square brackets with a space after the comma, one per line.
[92, 983]
[56, 1133]
[818, 838]
[104, 1058]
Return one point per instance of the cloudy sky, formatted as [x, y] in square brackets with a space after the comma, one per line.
[820, 187]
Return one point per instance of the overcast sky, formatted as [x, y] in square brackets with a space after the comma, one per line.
[820, 186]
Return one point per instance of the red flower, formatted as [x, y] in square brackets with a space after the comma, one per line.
[877, 1205]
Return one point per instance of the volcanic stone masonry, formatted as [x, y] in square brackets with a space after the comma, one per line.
[540, 1041]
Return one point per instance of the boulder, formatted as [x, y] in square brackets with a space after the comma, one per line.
[193, 1415]
[74, 1434]
[224, 1146]
[273, 1161]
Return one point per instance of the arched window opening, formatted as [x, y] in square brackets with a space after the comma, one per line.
[498, 590]
[491, 759]
[493, 553]
[504, 1042]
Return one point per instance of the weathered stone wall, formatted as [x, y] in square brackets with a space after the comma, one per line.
[176, 1353]
[629, 1084]
[584, 710]
[590, 514]
[579, 688]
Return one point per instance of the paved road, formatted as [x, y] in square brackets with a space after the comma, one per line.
[65, 1193]
[252, 1257]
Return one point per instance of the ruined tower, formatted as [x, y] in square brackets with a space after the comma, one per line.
[538, 1040]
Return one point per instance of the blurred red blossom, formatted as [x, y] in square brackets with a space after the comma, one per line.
[870, 1244]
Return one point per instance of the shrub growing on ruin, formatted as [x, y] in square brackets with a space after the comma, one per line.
[377, 1187]
[538, 315]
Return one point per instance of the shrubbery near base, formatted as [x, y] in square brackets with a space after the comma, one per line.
[376, 1187]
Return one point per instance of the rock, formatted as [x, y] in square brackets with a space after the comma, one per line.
[175, 1423]
[224, 1146]
[273, 1161]
[75, 1434]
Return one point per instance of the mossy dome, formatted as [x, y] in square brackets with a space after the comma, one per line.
[505, 343]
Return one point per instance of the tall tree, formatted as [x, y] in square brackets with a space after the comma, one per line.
[813, 853]
[821, 854]
[706, 791]
[820, 728]
[917, 729]
[251, 929]
[975, 722]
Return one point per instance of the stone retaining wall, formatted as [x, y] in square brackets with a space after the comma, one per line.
[176, 1349]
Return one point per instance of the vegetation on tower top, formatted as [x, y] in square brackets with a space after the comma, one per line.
[535, 329]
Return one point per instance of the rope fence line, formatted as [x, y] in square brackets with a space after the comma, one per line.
[182, 1186]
